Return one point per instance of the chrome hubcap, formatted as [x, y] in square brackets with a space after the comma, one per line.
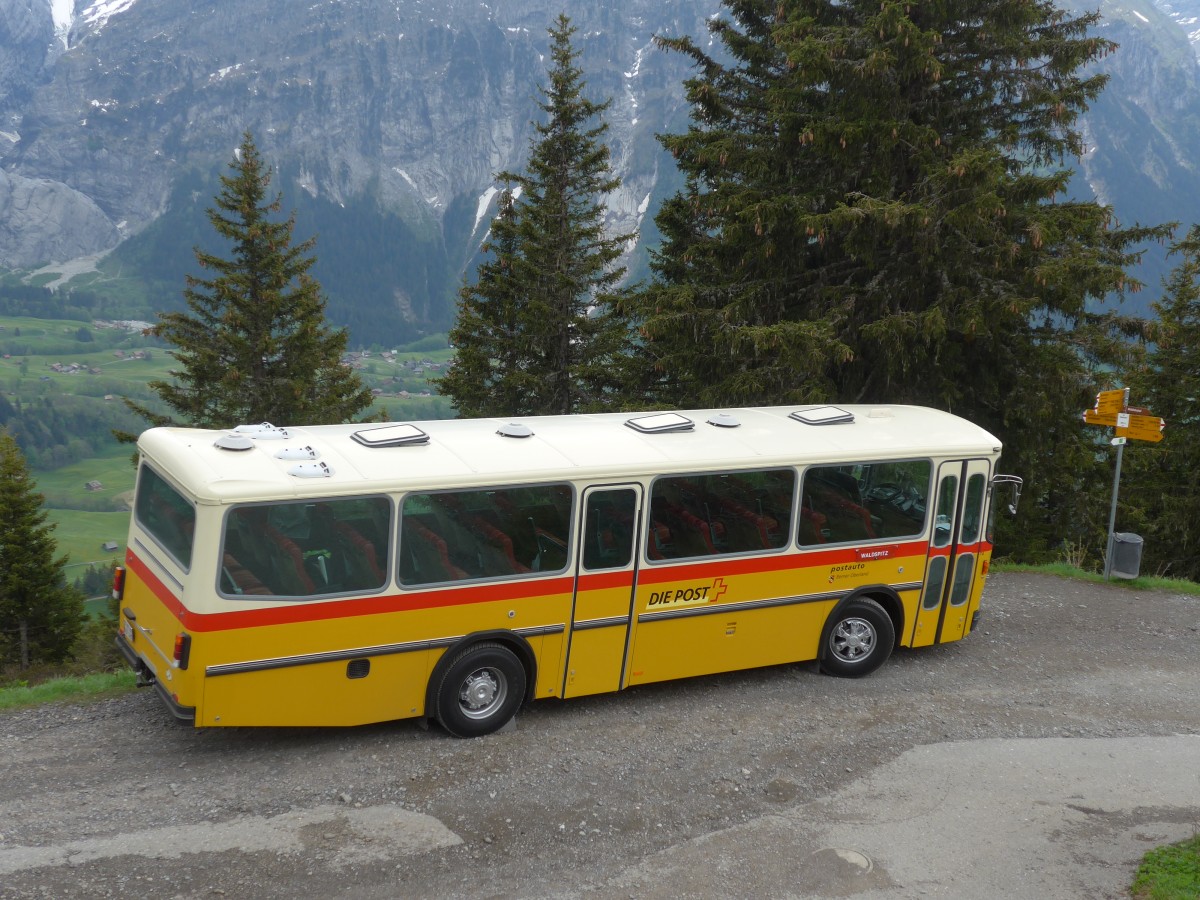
[852, 639]
[481, 692]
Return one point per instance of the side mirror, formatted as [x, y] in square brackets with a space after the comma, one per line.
[1015, 482]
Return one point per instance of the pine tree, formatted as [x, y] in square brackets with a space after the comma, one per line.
[875, 211]
[40, 614]
[1162, 486]
[535, 334]
[255, 346]
[490, 339]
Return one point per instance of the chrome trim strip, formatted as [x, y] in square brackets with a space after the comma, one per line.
[724, 608]
[147, 553]
[709, 610]
[606, 622]
[145, 632]
[308, 659]
[539, 630]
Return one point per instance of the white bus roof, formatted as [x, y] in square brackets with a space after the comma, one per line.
[228, 466]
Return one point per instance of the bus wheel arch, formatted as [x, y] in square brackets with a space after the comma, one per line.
[479, 683]
[858, 637]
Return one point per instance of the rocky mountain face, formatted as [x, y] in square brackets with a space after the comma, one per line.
[388, 119]
[384, 117]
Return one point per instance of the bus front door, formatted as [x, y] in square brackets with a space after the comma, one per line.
[955, 557]
[606, 575]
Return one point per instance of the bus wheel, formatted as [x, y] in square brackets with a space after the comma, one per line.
[858, 639]
[480, 690]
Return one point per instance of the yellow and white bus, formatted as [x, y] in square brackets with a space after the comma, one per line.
[454, 570]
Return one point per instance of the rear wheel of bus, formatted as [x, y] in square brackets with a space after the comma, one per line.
[480, 690]
[857, 639]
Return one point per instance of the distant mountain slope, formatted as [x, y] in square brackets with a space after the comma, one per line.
[388, 120]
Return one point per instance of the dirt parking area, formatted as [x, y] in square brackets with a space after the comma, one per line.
[1071, 702]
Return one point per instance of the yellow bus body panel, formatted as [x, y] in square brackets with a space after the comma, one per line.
[319, 693]
[598, 651]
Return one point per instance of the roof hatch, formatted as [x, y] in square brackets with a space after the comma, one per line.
[823, 415]
[397, 435]
[661, 423]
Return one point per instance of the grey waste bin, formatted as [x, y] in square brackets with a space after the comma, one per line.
[1126, 555]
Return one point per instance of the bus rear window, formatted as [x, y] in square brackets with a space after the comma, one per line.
[307, 548]
[165, 515]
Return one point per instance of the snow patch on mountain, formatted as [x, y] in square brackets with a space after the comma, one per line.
[99, 13]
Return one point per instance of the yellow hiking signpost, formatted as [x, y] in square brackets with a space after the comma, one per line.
[1130, 423]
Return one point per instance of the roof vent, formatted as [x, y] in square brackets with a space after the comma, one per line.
[661, 423]
[823, 415]
[390, 436]
[724, 420]
[311, 470]
[262, 432]
[296, 453]
[233, 442]
[515, 430]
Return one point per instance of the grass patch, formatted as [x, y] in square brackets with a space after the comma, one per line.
[72, 689]
[1066, 570]
[82, 535]
[1169, 873]
[67, 487]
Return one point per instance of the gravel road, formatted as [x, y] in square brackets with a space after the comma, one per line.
[718, 786]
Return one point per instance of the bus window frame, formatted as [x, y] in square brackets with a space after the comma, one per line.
[571, 550]
[920, 534]
[648, 512]
[143, 466]
[389, 544]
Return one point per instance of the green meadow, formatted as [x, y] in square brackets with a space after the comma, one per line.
[80, 372]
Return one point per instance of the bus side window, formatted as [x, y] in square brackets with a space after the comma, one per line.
[307, 548]
[863, 502]
[609, 529]
[716, 514]
[489, 533]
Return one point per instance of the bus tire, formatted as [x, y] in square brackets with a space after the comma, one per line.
[858, 638]
[480, 690]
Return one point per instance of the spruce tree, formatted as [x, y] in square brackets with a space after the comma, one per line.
[40, 614]
[1161, 490]
[875, 210]
[254, 345]
[490, 337]
[535, 334]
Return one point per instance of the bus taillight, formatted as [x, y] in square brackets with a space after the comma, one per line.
[118, 584]
[183, 649]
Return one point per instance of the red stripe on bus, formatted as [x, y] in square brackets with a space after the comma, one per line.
[320, 610]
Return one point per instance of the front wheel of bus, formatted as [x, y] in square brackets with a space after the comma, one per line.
[858, 639]
[480, 690]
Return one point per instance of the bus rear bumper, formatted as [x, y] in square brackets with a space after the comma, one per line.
[146, 678]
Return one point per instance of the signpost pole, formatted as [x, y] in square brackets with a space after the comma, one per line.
[1112, 513]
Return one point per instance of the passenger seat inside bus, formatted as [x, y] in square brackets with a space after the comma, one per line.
[424, 556]
[266, 555]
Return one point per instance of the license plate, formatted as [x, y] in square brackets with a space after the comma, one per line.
[127, 628]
